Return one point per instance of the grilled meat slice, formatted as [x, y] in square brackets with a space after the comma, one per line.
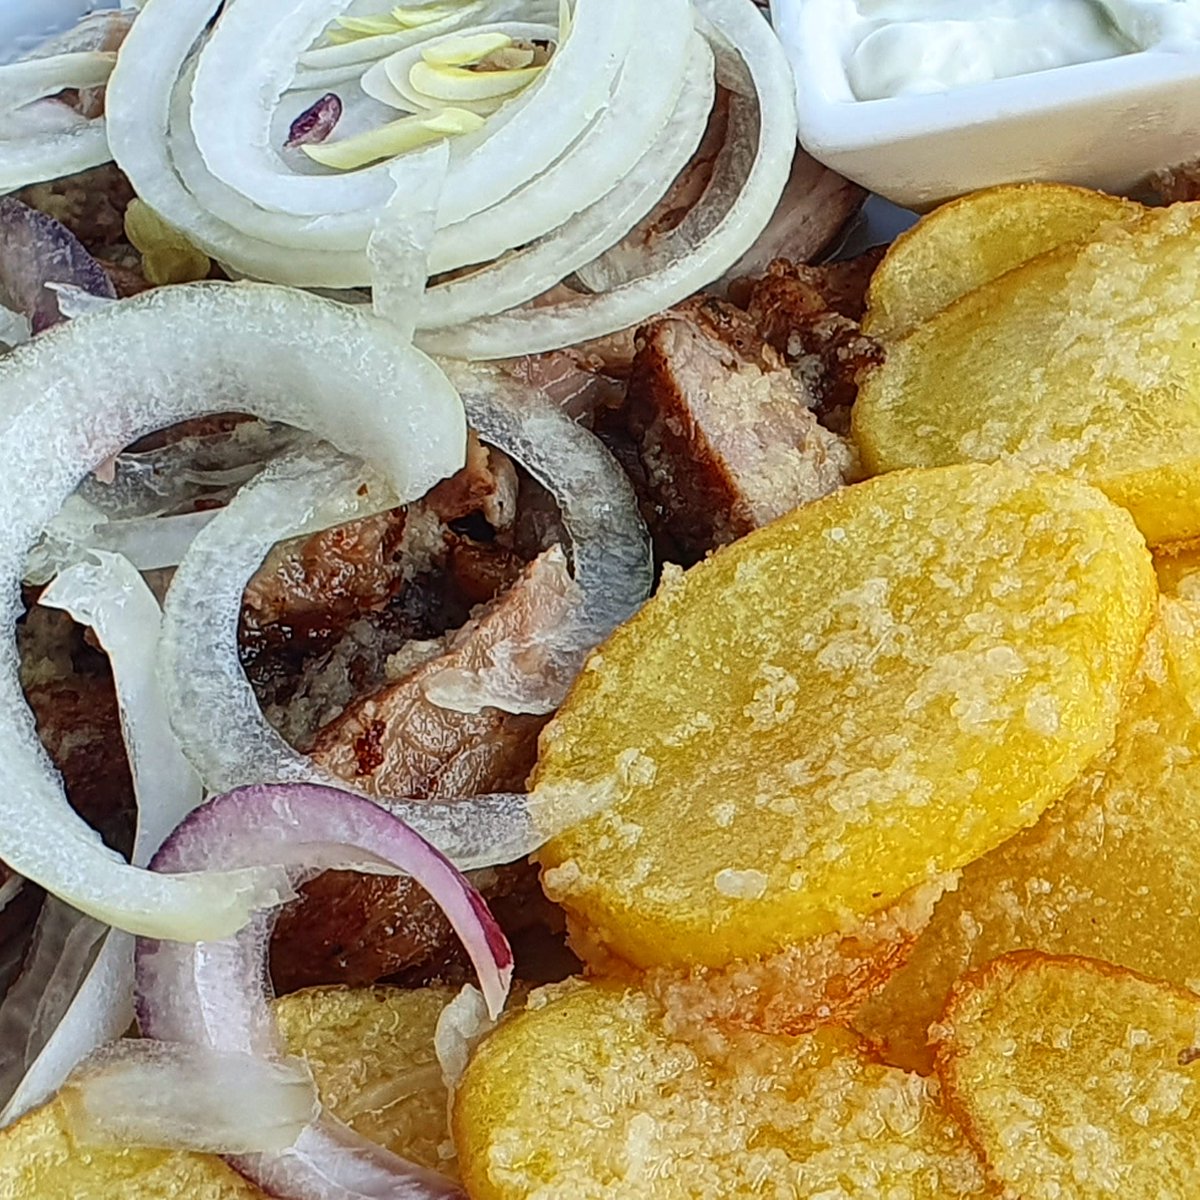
[724, 431]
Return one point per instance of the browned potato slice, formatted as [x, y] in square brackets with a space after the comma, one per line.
[971, 241]
[1085, 361]
[806, 732]
[587, 1096]
[1111, 871]
[371, 1051]
[1076, 1079]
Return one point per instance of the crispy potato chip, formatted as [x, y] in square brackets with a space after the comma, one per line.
[1175, 564]
[587, 1096]
[1111, 871]
[1085, 361]
[822, 719]
[1076, 1079]
[971, 241]
[371, 1052]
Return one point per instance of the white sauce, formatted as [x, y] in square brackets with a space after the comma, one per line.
[907, 47]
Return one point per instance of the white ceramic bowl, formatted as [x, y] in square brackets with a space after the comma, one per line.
[1102, 124]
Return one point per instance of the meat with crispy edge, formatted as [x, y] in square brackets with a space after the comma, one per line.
[810, 316]
[725, 432]
[357, 929]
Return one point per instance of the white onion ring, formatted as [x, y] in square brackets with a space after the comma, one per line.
[633, 259]
[610, 546]
[137, 110]
[213, 994]
[646, 93]
[739, 25]
[535, 269]
[213, 710]
[64, 946]
[86, 389]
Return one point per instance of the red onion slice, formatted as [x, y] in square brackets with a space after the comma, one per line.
[82, 392]
[35, 251]
[213, 995]
[316, 123]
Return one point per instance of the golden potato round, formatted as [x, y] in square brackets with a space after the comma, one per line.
[872, 691]
[371, 1053]
[588, 1096]
[1085, 361]
[1076, 1079]
[975, 239]
[1111, 871]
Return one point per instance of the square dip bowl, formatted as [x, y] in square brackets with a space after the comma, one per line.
[1104, 125]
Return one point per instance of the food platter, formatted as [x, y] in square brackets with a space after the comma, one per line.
[558, 644]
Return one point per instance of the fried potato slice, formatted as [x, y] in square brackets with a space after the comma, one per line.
[1085, 361]
[1111, 871]
[1076, 1079]
[1176, 565]
[973, 240]
[836, 710]
[371, 1052]
[587, 1096]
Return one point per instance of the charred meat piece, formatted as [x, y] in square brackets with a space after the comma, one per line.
[69, 686]
[811, 315]
[1173, 185]
[724, 431]
[91, 205]
[357, 929]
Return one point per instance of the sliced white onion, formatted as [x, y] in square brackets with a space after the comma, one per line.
[75, 301]
[31, 152]
[213, 710]
[397, 71]
[138, 109]
[76, 396]
[174, 1096]
[33, 79]
[399, 248]
[149, 543]
[90, 1003]
[610, 546]
[634, 259]
[213, 995]
[10, 889]
[110, 597]
[65, 943]
[535, 269]
[738, 28]
[646, 93]
[15, 328]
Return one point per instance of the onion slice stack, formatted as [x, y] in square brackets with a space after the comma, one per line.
[213, 995]
[558, 172]
[41, 137]
[76, 396]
